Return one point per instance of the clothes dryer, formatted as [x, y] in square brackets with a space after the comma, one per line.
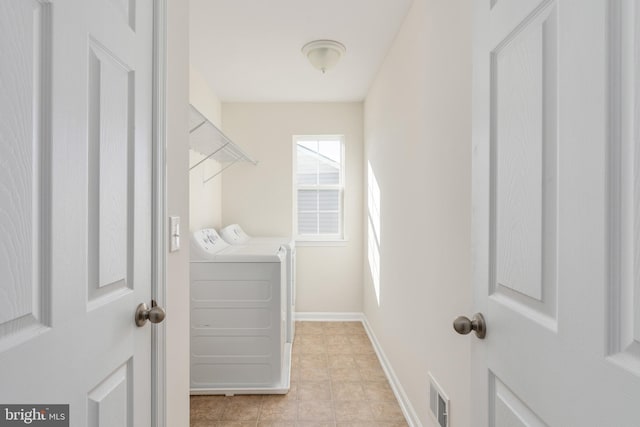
[235, 235]
[238, 317]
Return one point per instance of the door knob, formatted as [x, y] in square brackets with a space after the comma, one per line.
[463, 325]
[155, 315]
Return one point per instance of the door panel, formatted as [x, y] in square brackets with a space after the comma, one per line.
[24, 171]
[127, 8]
[523, 165]
[556, 200]
[508, 410]
[111, 402]
[111, 91]
[624, 292]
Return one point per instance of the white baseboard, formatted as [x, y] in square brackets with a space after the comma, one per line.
[309, 316]
[403, 400]
[394, 382]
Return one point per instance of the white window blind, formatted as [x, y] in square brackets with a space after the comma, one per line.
[319, 182]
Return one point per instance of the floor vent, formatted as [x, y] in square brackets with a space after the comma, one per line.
[438, 403]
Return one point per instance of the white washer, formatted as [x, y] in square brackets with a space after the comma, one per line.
[235, 235]
[238, 337]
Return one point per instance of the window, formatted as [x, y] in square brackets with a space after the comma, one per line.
[319, 187]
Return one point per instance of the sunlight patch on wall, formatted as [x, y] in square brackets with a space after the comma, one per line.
[373, 211]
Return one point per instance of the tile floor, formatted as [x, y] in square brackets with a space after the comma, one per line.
[336, 381]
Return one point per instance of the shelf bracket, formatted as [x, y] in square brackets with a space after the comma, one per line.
[208, 157]
[209, 141]
[220, 171]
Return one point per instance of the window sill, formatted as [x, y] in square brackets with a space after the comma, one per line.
[322, 243]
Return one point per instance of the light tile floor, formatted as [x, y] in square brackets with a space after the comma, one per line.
[336, 381]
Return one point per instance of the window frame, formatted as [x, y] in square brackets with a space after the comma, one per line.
[318, 238]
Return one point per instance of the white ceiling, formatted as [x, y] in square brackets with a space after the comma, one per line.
[250, 50]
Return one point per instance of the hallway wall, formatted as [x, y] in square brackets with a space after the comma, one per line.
[417, 141]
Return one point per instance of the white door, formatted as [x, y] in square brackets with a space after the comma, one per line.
[556, 213]
[75, 207]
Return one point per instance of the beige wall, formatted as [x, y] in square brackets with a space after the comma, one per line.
[177, 303]
[205, 198]
[259, 198]
[417, 139]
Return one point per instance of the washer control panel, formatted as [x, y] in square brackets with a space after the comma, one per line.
[206, 242]
[234, 234]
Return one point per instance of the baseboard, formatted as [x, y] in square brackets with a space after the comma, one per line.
[309, 316]
[403, 400]
[394, 382]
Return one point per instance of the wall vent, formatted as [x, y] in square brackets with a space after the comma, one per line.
[438, 403]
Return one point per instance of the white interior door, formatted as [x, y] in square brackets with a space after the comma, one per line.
[556, 212]
[75, 206]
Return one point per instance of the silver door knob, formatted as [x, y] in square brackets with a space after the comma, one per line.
[463, 325]
[154, 315]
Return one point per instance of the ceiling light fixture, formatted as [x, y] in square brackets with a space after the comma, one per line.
[323, 54]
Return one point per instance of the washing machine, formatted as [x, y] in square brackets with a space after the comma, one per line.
[235, 235]
[238, 317]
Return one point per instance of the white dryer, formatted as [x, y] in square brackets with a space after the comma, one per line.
[238, 318]
[235, 235]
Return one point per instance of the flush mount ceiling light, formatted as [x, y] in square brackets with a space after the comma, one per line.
[323, 54]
